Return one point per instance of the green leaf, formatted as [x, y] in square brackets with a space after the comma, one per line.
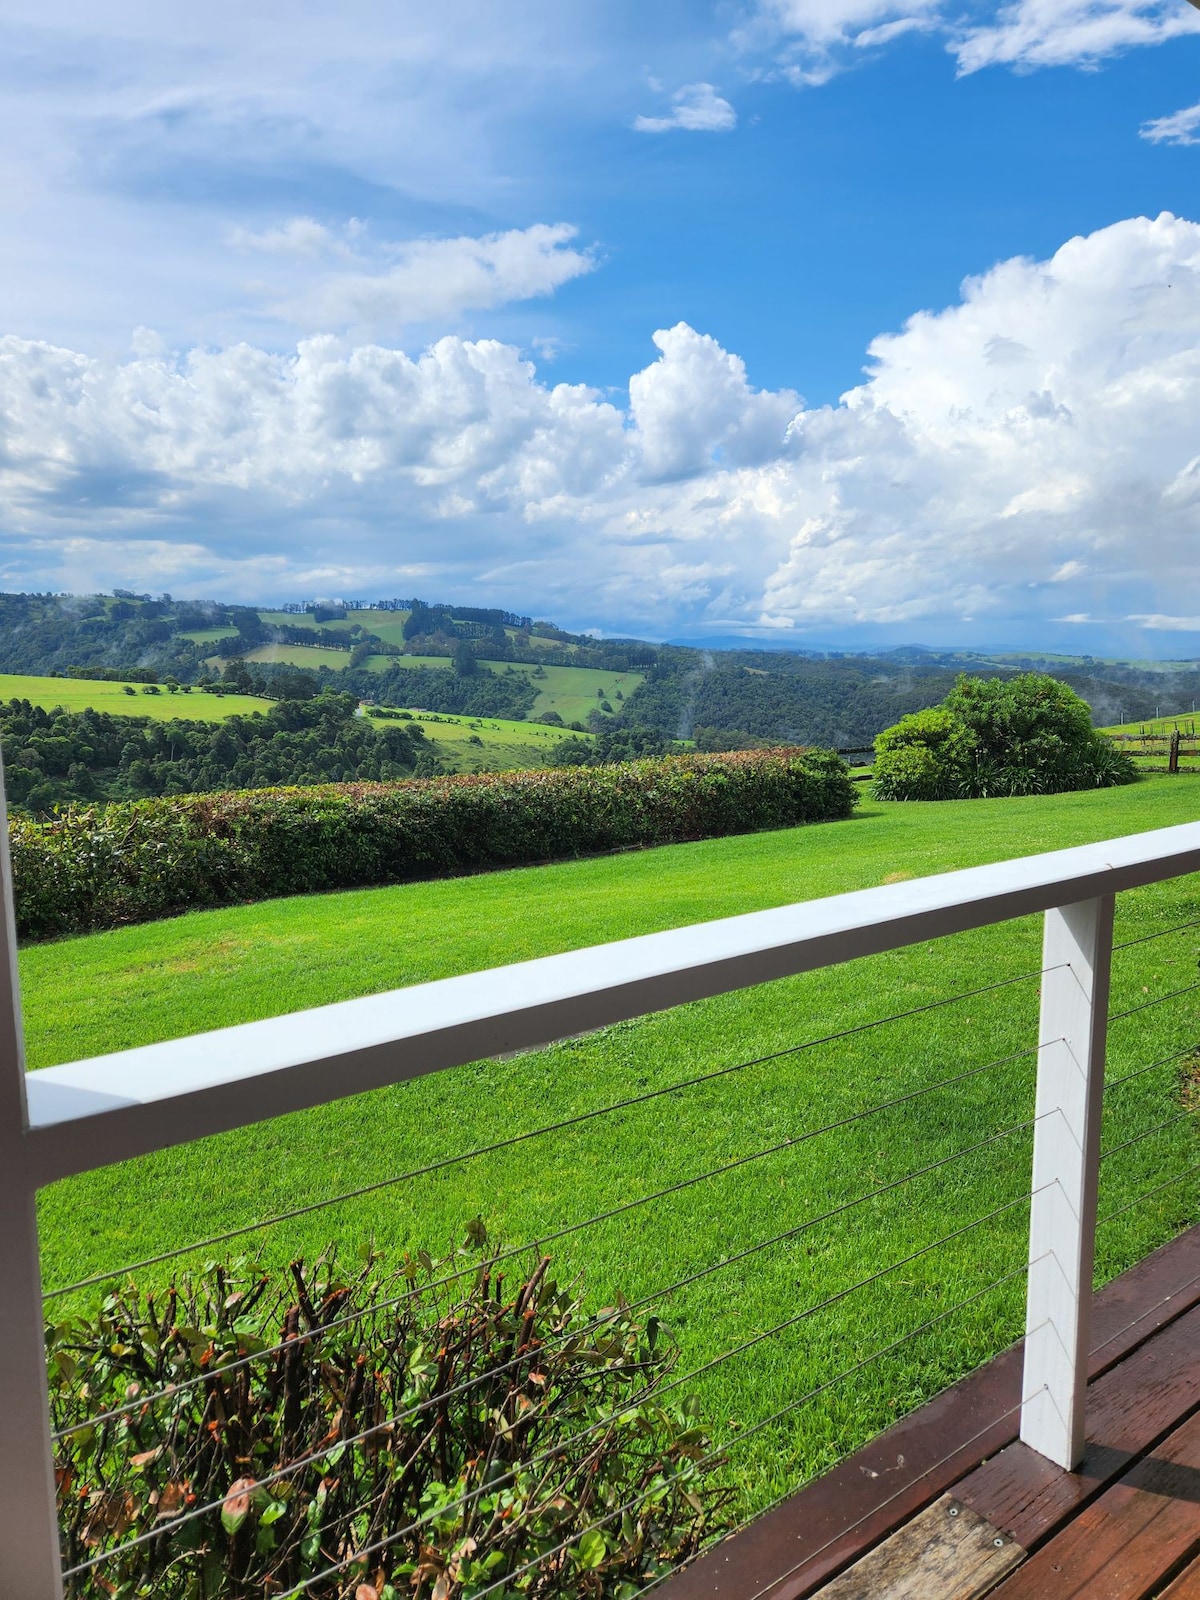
[591, 1550]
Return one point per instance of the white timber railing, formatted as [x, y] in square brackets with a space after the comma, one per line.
[66, 1120]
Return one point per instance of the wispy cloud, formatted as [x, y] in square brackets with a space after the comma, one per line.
[812, 41]
[436, 280]
[298, 236]
[1158, 623]
[696, 108]
[1070, 33]
[1182, 127]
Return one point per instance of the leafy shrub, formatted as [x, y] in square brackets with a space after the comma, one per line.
[1029, 734]
[443, 1436]
[99, 867]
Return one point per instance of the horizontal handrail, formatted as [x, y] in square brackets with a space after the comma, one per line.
[90, 1113]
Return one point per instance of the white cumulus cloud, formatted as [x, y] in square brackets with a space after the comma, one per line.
[1029, 452]
[696, 108]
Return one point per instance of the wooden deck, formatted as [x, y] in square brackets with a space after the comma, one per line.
[949, 1505]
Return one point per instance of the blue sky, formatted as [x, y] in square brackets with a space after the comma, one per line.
[560, 306]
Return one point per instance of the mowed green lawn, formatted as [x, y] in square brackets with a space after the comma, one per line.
[652, 1167]
[82, 694]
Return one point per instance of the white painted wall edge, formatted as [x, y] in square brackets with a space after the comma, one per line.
[90, 1113]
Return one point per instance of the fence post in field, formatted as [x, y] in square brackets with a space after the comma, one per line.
[1077, 954]
[1173, 756]
[30, 1565]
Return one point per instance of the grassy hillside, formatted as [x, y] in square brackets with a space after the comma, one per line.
[80, 694]
[486, 744]
[386, 625]
[297, 655]
[110, 991]
[572, 692]
[382, 663]
[575, 691]
[1187, 722]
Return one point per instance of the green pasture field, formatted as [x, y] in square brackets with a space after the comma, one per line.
[571, 691]
[503, 745]
[651, 1168]
[1186, 722]
[382, 663]
[387, 625]
[1188, 726]
[82, 694]
[1084, 663]
[300, 655]
[208, 635]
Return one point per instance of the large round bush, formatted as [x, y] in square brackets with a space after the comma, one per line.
[1028, 734]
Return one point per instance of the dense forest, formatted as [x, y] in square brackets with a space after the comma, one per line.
[53, 757]
[841, 701]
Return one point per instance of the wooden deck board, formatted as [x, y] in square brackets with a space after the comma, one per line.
[948, 1552]
[1129, 1542]
[1130, 1409]
[1186, 1586]
[790, 1552]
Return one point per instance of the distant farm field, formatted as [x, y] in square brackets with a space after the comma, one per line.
[300, 655]
[712, 1182]
[574, 691]
[382, 663]
[82, 694]
[386, 625]
[208, 635]
[486, 744]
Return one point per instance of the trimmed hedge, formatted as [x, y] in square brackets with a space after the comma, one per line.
[93, 868]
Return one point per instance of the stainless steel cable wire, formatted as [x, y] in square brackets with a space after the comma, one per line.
[1147, 1194]
[1178, 927]
[1140, 1072]
[387, 1305]
[777, 1416]
[313, 1457]
[533, 1133]
[1147, 1133]
[1158, 1000]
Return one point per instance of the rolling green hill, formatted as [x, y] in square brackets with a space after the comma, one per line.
[485, 744]
[77, 694]
[718, 697]
[110, 991]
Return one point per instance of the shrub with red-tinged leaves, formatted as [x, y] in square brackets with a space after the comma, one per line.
[99, 867]
[422, 1434]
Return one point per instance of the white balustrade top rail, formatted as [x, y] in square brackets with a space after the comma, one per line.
[112, 1107]
[69, 1119]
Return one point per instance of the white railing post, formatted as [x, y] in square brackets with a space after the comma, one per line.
[30, 1564]
[1077, 955]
